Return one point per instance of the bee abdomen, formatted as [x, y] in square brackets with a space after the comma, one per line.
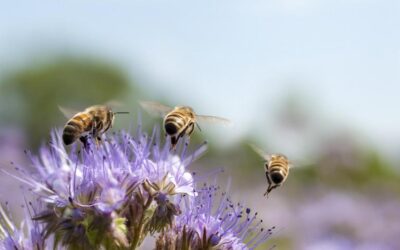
[279, 167]
[278, 172]
[74, 128]
[171, 128]
[277, 177]
[172, 124]
[70, 135]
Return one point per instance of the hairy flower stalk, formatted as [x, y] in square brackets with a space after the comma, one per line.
[114, 195]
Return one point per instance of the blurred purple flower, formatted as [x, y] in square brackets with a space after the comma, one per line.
[27, 236]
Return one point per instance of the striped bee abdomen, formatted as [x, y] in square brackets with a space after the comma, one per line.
[278, 169]
[174, 122]
[77, 125]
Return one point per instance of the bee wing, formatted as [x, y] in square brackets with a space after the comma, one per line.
[213, 119]
[260, 152]
[302, 163]
[117, 107]
[155, 108]
[68, 113]
[114, 104]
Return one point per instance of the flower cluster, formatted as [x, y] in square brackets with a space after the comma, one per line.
[212, 221]
[113, 195]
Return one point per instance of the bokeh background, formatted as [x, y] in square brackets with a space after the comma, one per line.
[315, 80]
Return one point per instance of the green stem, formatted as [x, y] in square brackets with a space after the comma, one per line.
[139, 228]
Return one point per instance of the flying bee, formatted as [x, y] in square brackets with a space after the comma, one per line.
[179, 121]
[94, 121]
[276, 168]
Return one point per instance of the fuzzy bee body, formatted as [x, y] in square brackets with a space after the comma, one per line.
[179, 121]
[94, 121]
[276, 168]
[276, 171]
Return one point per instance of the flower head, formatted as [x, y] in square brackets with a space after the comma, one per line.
[212, 221]
[109, 195]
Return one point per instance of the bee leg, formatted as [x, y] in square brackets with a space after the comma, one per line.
[268, 178]
[174, 141]
[85, 142]
[187, 131]
[269, 183]
[270, 188]
[94, 132]
[178, 137]
[97, 139]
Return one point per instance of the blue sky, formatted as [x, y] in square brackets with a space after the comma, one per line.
[234, 58]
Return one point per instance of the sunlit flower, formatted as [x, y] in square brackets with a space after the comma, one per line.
[212, 221]
[110, 195]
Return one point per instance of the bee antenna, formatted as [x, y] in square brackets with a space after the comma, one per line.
[198, 126]
[122, 112]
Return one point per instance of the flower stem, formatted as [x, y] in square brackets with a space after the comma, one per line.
[139, 228]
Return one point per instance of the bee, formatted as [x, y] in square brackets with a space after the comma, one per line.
[276, 168]
[179, 121]
[94, 121]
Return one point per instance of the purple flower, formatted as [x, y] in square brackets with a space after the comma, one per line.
[27, 236]
[109, 195]
[115, 194]
[212, 221]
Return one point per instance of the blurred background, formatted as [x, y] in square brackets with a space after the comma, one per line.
[315, 80]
